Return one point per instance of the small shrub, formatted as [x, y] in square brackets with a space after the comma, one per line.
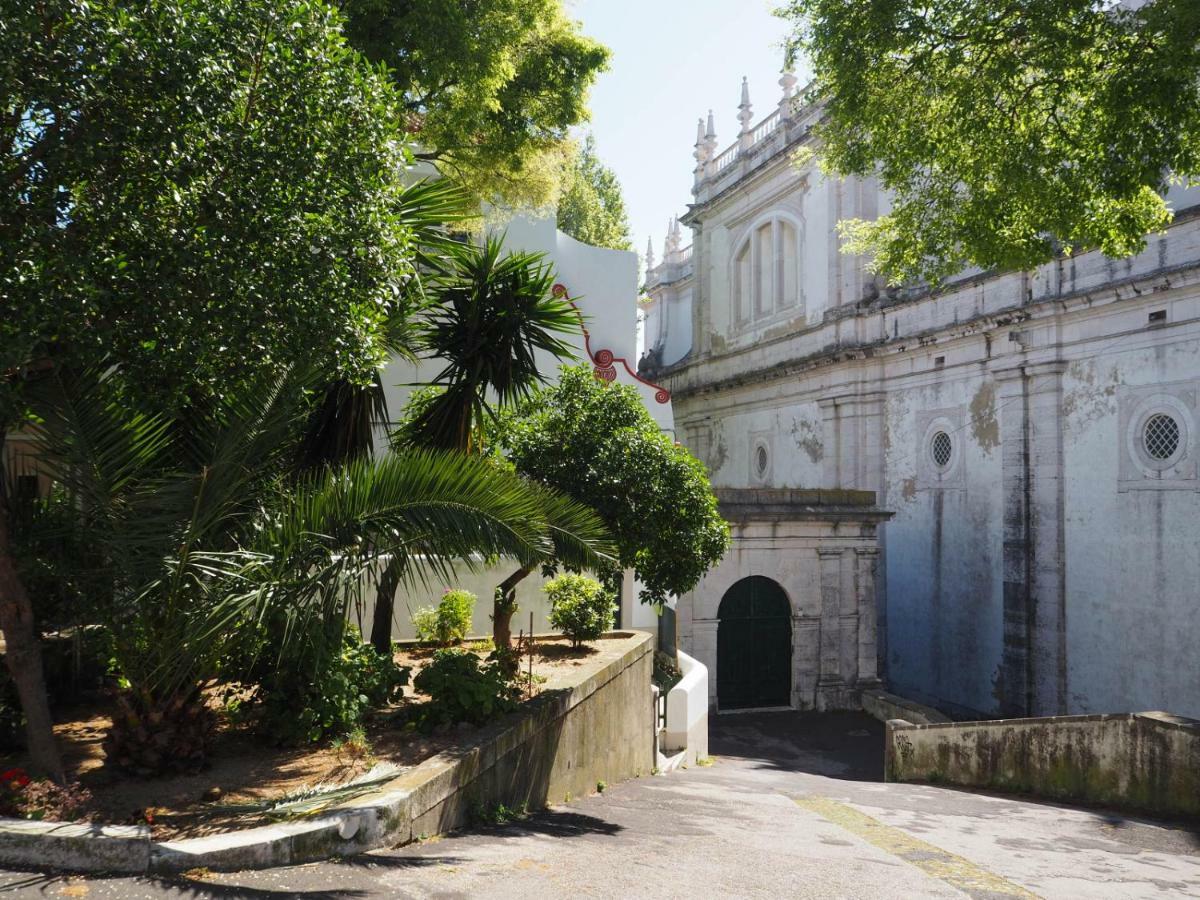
[356, 680]
[507, 659]
[580, 607]
[449, 622]
[463, 690]
[354, 746]
[22, 798]
[425, 624]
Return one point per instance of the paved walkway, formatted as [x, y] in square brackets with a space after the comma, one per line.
[792, 807]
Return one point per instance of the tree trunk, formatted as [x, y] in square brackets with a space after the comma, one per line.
[23, 656]
[505, 604]
[151, 736]
[385, 606]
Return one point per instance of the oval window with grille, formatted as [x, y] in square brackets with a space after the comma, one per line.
[761, 460]
[942, 449]
[1161, 436]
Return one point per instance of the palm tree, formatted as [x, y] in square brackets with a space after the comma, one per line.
[203, 532]
[493, 315]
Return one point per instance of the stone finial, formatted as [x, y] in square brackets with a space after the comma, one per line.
[710, 141]
[649, 256]
[673, 236]
[702, 153]
[745, 110]
[745, 116]
[787, 81]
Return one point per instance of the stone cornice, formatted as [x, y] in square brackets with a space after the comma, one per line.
[798, 504]
[1133, 287]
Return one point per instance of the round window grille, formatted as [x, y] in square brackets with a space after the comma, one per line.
[1161, 436]
[760, 460]
[942, 449]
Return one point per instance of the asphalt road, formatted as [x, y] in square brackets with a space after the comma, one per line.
[791, 807]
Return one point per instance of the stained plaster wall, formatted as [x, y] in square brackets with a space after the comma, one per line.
[1037, 576]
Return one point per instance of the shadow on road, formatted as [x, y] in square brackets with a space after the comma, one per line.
[846, 745]
[77, 886]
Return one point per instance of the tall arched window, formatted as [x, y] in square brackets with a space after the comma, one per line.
[766, 269]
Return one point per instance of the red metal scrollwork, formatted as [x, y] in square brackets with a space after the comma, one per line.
[605, 360]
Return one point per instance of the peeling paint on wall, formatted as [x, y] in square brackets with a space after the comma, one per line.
[807, 436]
[719, 453]
[984, 424]
[1092, 400]
[908, 488]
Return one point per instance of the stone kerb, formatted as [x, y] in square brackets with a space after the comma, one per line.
[1145, 762]
[886, 706]
[598, 728]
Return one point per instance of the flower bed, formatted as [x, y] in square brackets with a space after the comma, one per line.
[250, 781]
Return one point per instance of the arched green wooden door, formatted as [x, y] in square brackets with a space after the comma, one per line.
[754, 646]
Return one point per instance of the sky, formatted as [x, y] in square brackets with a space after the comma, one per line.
[673, 60]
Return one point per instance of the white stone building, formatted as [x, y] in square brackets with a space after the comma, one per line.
[1035, 435]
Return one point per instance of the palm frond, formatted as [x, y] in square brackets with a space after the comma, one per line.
[438, 511]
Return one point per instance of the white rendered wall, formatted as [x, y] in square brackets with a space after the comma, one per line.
[603, 284]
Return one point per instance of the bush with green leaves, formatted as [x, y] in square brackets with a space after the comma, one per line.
[596, 442]
[580, 607]
[449, 622]
[462, 689]
[355, 681]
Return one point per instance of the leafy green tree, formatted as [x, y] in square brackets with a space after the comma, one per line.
[597, 443]
[197, 191]
[192, 192]
[591, 208]
[203, 540]
[1007, 132]
[490, 88]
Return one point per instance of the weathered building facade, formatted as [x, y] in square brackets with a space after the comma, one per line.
[1036, 434]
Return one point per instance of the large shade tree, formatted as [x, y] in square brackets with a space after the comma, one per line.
[1007, 132]
[596, 442]
[490, 88]
[192, 192]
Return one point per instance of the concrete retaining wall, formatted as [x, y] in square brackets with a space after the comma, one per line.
[1146, 762]
[598, 728]
[602, 730]
[885, 707]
